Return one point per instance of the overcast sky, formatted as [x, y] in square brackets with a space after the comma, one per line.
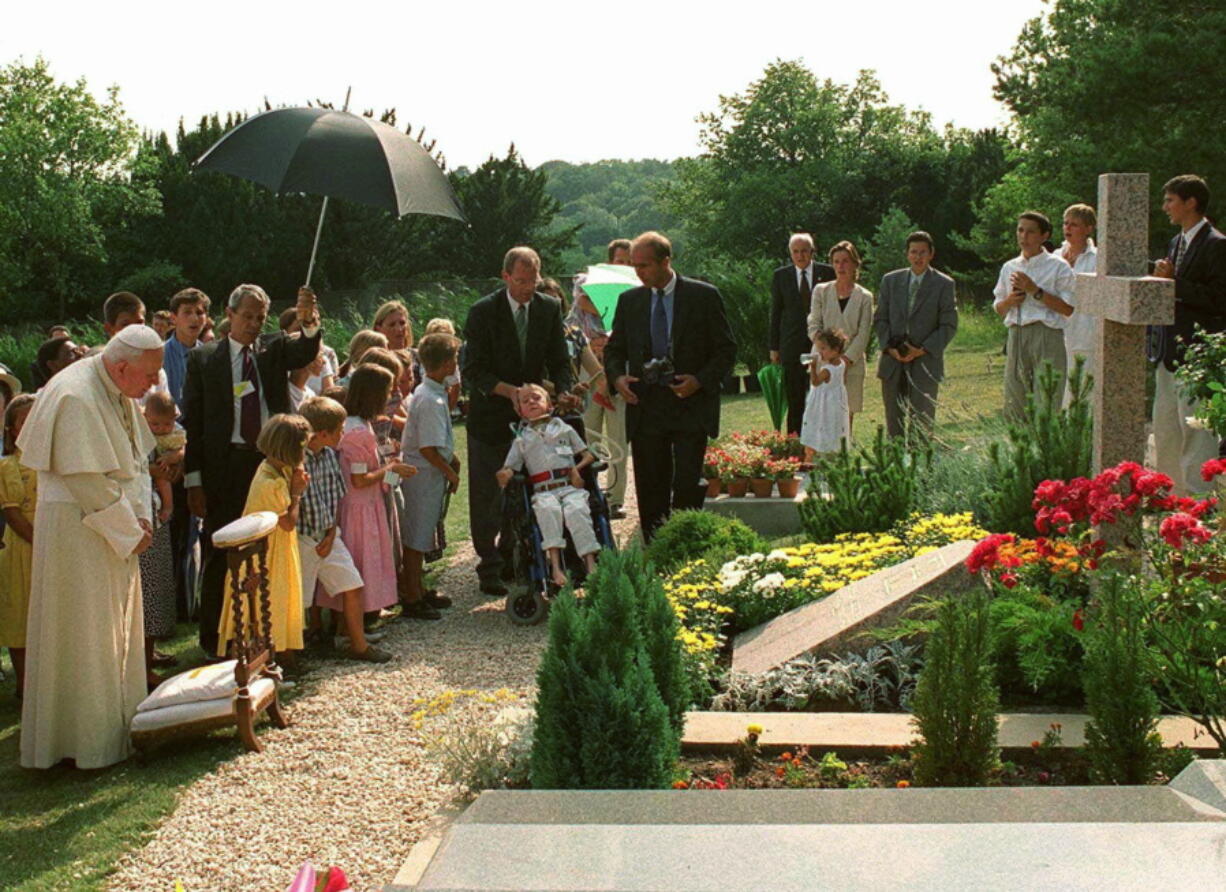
[562, 80]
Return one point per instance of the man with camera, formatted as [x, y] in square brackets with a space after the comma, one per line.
[916, 319]
[670, 348]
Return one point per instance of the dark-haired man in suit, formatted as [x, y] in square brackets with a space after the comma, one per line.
[231, 388]
[1196, 260]
[791, 299]
[669, 414]
[511, 337]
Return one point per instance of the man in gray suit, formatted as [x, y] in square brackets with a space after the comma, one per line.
[916, 319]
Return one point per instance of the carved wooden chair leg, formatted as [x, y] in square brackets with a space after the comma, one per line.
[276, 714]
[246, 724]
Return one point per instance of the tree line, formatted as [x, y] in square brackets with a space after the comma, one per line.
[88, 204]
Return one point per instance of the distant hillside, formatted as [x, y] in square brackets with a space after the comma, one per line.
[610, 199]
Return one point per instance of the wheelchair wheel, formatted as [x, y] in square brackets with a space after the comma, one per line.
[526, 607]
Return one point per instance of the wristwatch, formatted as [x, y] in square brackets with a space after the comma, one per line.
[1038, 294]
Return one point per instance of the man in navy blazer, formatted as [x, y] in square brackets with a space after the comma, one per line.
[915, 306]
[1196, 260]
[497, 361]
[791, 300]
[669, 414]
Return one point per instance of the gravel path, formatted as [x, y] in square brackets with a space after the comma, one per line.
[349, 782]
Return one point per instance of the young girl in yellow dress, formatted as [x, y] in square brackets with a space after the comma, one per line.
[278, 485]
[18, 493]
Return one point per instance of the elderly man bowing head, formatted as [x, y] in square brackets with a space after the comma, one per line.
[88, 442]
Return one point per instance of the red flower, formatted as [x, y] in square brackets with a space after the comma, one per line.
[1043, 777]
[985, 555]
[1079, 620]
[1008, 580]
[1212, 468]
[1182, 527]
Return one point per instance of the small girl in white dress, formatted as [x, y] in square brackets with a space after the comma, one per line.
[826, 422]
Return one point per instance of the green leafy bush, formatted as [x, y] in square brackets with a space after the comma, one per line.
[688, 535]
[956, 698]
[601, 722]
[1122, 740]
[1036, 645]
[869, 489]
[1050, 443]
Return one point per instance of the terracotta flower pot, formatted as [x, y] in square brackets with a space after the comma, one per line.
[762, 487]
[738, 487]
[788, 487]
[713, 487]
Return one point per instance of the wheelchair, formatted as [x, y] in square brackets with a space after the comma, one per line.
[530, 588]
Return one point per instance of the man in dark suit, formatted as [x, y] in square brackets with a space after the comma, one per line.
[669, 414]
[917, 305]
[1196, 260]
[511, 337]
[231, 388]
[791, 297]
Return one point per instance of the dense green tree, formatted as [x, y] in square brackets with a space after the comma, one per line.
[792, 153]
[1108, 85]
[65, 165]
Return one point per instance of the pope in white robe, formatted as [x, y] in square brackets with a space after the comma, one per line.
[89, 443]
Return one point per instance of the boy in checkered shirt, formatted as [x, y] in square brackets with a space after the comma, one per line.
[321, 551]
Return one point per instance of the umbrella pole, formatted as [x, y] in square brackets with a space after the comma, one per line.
[319, 227]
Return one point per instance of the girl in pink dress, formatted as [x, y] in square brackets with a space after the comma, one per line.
[362, 516]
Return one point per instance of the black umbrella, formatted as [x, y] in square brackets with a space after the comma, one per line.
[335, 154]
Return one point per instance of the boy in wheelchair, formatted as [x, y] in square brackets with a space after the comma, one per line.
[547, 446]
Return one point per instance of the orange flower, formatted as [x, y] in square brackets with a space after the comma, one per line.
[797, 763]
[779, 771]
[680, 785]
[785, 757]
[1035, 744]
[903, 784]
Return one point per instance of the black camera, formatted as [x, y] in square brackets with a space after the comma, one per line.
[901, 343]
[659, 371]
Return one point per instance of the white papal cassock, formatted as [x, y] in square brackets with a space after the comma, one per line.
[86, 666]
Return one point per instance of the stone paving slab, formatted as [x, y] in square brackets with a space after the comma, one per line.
[1077, 838]
[874, 730]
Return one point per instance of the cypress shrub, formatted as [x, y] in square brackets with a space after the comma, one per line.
[601, 722]
[1122, 739]
[956, 698]
[660, 627]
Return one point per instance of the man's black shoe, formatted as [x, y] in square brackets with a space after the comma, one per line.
[437, 601]
[419, 610]
[494, 589]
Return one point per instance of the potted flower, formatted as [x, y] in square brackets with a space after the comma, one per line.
[784, 472]
[734, 471]
[761, 483]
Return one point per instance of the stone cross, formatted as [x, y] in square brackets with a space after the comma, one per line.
[1124, 300]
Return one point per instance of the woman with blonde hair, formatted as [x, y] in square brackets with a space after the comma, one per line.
[361, 341]
[392, 321]
[846, 306]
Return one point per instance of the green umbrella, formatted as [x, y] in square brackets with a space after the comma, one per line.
[604, 284]
[771, 378]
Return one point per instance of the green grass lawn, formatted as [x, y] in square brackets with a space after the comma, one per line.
[66, 829]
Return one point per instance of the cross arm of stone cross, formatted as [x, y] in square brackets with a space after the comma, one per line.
[1123, 300]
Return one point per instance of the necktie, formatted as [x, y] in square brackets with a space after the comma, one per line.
[659, 327]
[249, 411]
[804, 283]
[521, 328]
[912, 290]
[1179, 252]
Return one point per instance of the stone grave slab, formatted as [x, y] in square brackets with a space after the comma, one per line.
[1151, 838]
[832, 625]
[770, 518]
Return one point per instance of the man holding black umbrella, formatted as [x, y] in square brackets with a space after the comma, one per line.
[232, 387]
[791, 296]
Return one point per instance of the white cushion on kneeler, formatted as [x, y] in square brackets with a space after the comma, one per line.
[186, 713]
[203, 683]
[247, 528]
